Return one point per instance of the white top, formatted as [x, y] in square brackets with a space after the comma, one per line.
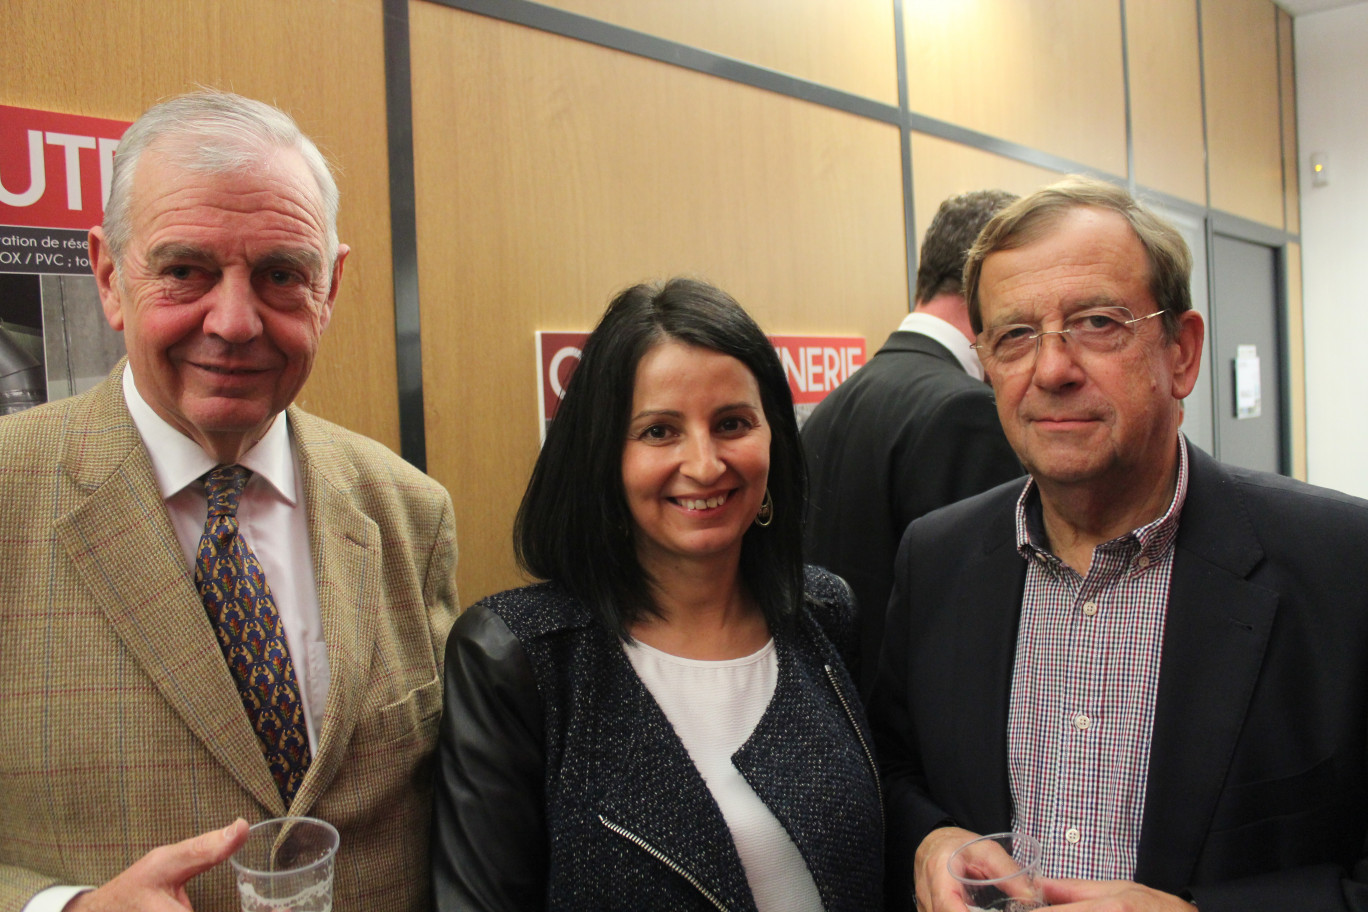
[947, 335]
[714, 707]
[272, 518]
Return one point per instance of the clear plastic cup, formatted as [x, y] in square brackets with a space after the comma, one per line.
[998, 873]
[286, 865]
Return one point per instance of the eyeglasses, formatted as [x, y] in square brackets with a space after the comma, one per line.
[1012, 347]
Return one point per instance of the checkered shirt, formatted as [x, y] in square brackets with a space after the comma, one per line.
[1083, 690]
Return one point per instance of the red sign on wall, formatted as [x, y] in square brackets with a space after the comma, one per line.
[558, 354]
[814, 365]
[55, 168]
[55, 171]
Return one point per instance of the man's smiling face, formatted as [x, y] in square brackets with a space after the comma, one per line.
[222, 294]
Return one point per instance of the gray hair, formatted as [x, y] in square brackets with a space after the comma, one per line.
[1032, 217]
[216, 133]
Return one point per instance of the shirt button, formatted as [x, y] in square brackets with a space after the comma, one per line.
[1073, 836]
[1090, 608]
[1143, 562]
[1082, 722]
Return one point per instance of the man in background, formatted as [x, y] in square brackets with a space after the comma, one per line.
[1153, 663]
[215, 608]
[912, 430]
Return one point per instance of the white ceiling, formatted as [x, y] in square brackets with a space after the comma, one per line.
[1301, 7]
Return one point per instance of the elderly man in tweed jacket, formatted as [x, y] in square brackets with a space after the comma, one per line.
[132, 749]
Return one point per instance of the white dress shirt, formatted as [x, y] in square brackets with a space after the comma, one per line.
[946, 335]
[272, 519]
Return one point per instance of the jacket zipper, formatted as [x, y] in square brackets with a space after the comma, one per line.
[663, 859]
[869, 755]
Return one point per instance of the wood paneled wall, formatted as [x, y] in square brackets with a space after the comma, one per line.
[941, 169]
[1244, 135]
[552, 174]
[846, 44]
[322, 62]
[1287, 86]
[1165, 65]
[1043, 73]
[1296, 340]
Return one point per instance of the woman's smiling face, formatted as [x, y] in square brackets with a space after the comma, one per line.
[696, 459]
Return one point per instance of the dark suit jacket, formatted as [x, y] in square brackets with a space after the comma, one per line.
[909, 432]
[120, 726]
[1257, 796]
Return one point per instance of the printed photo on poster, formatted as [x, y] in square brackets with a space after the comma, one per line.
[54, 180]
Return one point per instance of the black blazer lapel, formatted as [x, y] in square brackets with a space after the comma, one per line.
[1215, 634]
[987, 612]
[939, 711]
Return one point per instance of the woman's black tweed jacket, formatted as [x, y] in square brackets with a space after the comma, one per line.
[561, 785]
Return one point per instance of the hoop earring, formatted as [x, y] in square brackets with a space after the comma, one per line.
[766, 514]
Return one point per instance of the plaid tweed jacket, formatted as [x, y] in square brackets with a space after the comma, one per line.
[120, 726]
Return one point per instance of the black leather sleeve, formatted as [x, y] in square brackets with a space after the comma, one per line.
[489, 841]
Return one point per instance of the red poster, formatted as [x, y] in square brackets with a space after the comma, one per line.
[55, 172]
[814, 365]
[54, 179]
[558, 355]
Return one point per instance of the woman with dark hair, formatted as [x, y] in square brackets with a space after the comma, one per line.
[666, 722]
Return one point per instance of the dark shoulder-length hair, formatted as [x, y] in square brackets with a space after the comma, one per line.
[574, 526]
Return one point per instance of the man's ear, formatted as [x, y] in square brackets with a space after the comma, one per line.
[1188, 352]
[336, 283]
[106, 278]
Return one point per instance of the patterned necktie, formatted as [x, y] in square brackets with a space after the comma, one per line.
[250, 633]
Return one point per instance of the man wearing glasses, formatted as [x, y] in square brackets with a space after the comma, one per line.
[1155, 664]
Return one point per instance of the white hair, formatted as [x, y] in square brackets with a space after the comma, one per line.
[216, 133]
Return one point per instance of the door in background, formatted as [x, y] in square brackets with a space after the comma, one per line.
[1246, 349]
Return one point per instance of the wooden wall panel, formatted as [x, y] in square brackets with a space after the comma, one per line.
[844, 44]
[1240, 47]
[1287, 87]
[1166, 98]
[553, 173]
[323, 63]
[941, 169]
[1296, 360]
[1043, 73]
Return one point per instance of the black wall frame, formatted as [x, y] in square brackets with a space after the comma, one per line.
[408, 354]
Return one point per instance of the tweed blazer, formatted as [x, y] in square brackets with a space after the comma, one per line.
[120, 726]
[561, 785]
